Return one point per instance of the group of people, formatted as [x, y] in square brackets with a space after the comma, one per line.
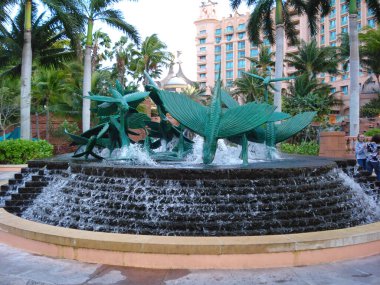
[368, 154]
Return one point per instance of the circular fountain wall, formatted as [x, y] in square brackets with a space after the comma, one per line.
[262, 199]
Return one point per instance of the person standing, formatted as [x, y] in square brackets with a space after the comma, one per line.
[361, 151]
[373, 162]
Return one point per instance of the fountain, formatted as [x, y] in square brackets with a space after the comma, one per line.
[227, 213]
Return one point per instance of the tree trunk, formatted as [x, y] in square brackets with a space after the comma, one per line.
[26, 74]
[37, 126]
[86, 113]
[354, 75]
[279, 66]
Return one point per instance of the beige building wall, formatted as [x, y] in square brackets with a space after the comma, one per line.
[224, 41]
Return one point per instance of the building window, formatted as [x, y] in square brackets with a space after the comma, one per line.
[344, 30]
[344, 20]
[202, 75]
[203, 32]
[218, 58]
[345, 76]
[344, 90]
[229, 56]
[322, 19]
[344, 9]
[241, 63]
[202, 66]
[332, 24]
[254, 52]
[217, 66]
[333, 44]
[322, 40]
[241, 35]
[229, 74]
[241, 27]
[359, 26]
[332, 79]
[218, 31]
[202, 41]
[240, 73]
[229, 83]
[229, 65]
[332, 2]
[229, 47]
[371, 23]
[229, 29]
[332, 90]
[332, 13]
[332, 36]
[218, 39]
[228, 38]
[241, 54]
[241, 45]
[218, 49]
[202, 58]
[370, 12]
[322, 29]
[266, 42]
[202, 49]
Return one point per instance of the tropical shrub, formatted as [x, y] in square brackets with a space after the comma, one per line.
[20, 151]
[372, 132]
[307, 148]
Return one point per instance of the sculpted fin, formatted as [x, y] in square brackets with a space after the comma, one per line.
[244, 118]
[294, 125]
[188, 112]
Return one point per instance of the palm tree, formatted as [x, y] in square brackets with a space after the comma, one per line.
[373, 5]
[312, 60]
[370, 51]
[124, 52]
[151, 58]
[93, 10]
[250, 87]
[50, 44]
[308, 94]
[261, 19]
[65, 11]
[264, 60]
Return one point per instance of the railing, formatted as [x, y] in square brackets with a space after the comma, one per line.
[350, 144]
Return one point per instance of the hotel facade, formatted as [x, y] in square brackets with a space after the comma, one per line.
[223, 44]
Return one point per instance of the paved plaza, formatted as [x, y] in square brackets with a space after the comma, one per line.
[21, 268]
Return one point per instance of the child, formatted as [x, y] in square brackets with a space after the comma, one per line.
[360, 152]
[373, 162]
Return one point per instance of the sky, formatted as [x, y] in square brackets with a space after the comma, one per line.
[172, 21]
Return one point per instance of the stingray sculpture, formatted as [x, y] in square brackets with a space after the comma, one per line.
[213, 123]
[122, 103]
[270, 133]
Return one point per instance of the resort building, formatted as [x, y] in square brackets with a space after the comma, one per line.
[223, 44]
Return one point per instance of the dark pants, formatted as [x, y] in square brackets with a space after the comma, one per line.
[362, 163]
[374, 165]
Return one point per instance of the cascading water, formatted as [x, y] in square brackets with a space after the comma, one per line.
[272, 198]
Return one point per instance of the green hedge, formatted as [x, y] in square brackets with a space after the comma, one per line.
[20, 151]
[372, 132]
[308, 148]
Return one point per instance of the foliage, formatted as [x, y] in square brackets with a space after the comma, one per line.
[370, 51]
[261, 19]
[151, 58]
[264, 61]
[311, 59]
[49, 42]
[68, 127]
[306, 148]
[20, 151]
[9, 103]
[371, 109]
[307, 94]
[372, 132]
[251, 88]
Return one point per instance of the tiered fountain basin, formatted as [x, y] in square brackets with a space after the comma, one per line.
[293, 229]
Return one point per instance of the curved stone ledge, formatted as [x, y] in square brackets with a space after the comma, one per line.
[191, 252]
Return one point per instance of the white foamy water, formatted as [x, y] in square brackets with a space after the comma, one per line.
[133, 154]
[229, 153]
